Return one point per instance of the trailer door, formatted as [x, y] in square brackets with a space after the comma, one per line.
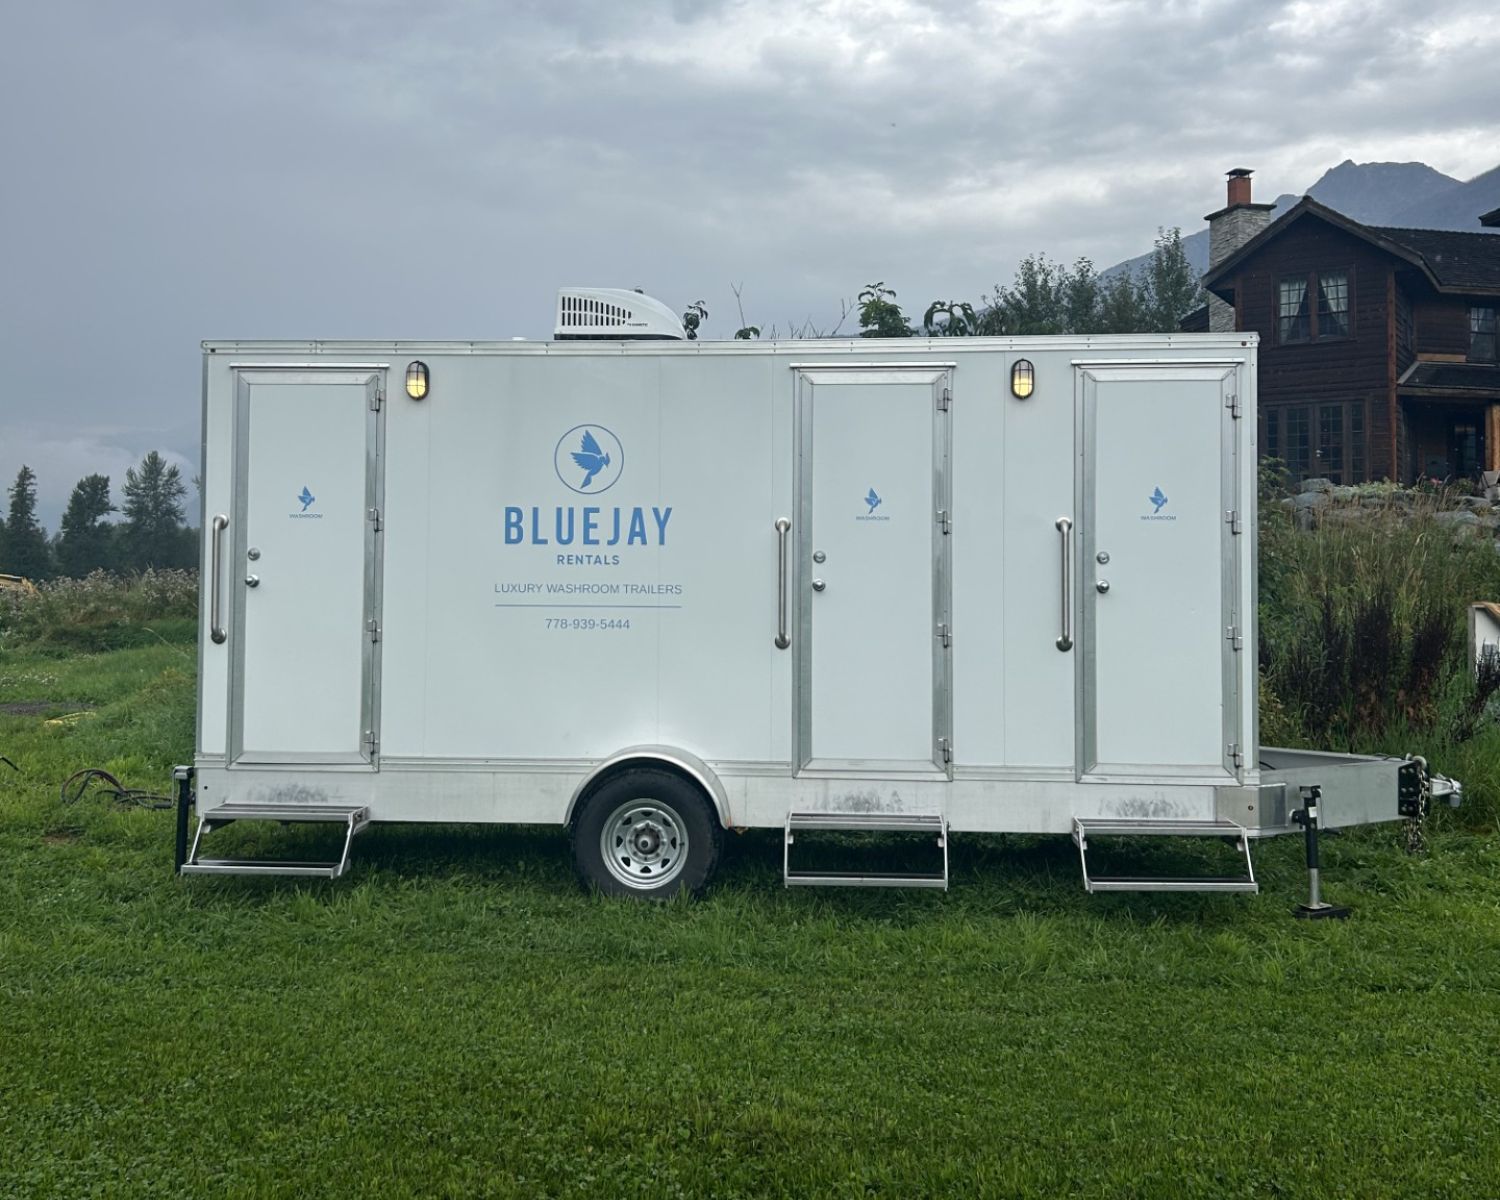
[1157, 571]
[873, 577]
[302, 566]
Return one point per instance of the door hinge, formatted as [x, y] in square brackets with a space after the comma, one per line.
[374, 517]
[945, 750]
[1232, 517]
[1236, 755]
[946, 634]
[1234, 637]
[944, 521]
[377, 398]
[370, 742]
[372, 627]
[945, 399]
[1232, 402]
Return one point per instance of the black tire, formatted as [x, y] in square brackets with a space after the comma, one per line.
[663, 835]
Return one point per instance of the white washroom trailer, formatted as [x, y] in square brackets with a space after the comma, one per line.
[654, 590]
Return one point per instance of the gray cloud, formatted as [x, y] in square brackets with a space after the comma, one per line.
[184, 170]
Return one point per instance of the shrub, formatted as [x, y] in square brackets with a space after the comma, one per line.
[1363, 622]
[102, 612]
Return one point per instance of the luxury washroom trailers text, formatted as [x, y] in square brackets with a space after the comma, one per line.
[659, 589]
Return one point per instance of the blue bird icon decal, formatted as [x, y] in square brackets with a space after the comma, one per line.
[1158, 500]
[872, 500]
[306, 497]
[591, 458]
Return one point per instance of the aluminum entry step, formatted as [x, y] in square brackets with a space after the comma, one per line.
[354, 818]
[933, 824]
[1086, 827]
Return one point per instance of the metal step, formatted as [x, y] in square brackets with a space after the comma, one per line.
[1164, 883]
[1086, 827]
[858, 879]
[851, 822]
[353, 817]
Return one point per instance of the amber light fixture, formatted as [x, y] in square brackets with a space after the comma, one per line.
[1022, 379]
[416, 380]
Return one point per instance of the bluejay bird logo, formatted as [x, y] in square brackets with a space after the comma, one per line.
[589, 459]
[1157, 499]
[872, 500]
[306, 497]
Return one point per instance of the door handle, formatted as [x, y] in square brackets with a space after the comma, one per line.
[1065, 530]
[783, 640]
[215, 554]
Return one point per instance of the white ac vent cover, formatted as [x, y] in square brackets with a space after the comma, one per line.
[614, 314]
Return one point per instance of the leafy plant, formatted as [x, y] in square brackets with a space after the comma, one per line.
[879, 314]
[957, 319]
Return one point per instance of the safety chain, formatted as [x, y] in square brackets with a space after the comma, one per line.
[1416, 833]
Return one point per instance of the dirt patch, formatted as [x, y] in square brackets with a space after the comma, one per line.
[36, 708]
[63, 835]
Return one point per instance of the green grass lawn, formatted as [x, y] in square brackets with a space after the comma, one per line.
[455, 1016]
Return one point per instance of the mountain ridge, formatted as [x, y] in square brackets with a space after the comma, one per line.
[1401, 195]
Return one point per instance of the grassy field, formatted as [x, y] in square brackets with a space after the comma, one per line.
[457, 1017]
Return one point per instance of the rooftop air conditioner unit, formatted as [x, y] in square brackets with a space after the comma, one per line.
[614, 314]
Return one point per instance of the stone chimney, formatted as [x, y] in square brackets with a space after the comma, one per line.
[1229, 229]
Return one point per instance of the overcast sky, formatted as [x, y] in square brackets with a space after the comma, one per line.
[176, 170]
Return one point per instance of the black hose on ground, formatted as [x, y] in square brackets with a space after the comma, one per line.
[74, 786]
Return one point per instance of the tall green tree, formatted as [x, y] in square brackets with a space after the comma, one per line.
[86, 541]
[1123, 306]
[1081, 292]
[152, 534]
[1172, 286]
[24, 549]
[1047, 297]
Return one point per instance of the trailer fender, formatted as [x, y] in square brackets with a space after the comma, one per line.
[680, 761]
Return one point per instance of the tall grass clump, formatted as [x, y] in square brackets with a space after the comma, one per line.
[1363, 623]
[101, 612]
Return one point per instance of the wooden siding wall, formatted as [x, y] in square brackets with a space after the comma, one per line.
[1442, 324]
[1356, 368]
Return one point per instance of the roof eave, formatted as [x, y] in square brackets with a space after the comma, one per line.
[1307, 206]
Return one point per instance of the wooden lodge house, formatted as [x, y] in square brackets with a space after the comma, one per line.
[1378, 346]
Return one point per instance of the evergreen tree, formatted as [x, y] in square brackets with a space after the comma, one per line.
[153, 514]
[85, 542]
[24, 550]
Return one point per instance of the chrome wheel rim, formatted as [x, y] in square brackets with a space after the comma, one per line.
[644, 844]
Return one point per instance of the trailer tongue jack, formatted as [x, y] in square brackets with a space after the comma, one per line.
[1316, 908]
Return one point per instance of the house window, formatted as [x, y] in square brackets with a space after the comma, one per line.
[1331, 442]
[1298, 451]
[1333, 304]
[1356, 443]
[1325, 440]
[1482, 334]
[1292, 318]
[1313, 307]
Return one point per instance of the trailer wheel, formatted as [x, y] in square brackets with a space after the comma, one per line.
[646, 832]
